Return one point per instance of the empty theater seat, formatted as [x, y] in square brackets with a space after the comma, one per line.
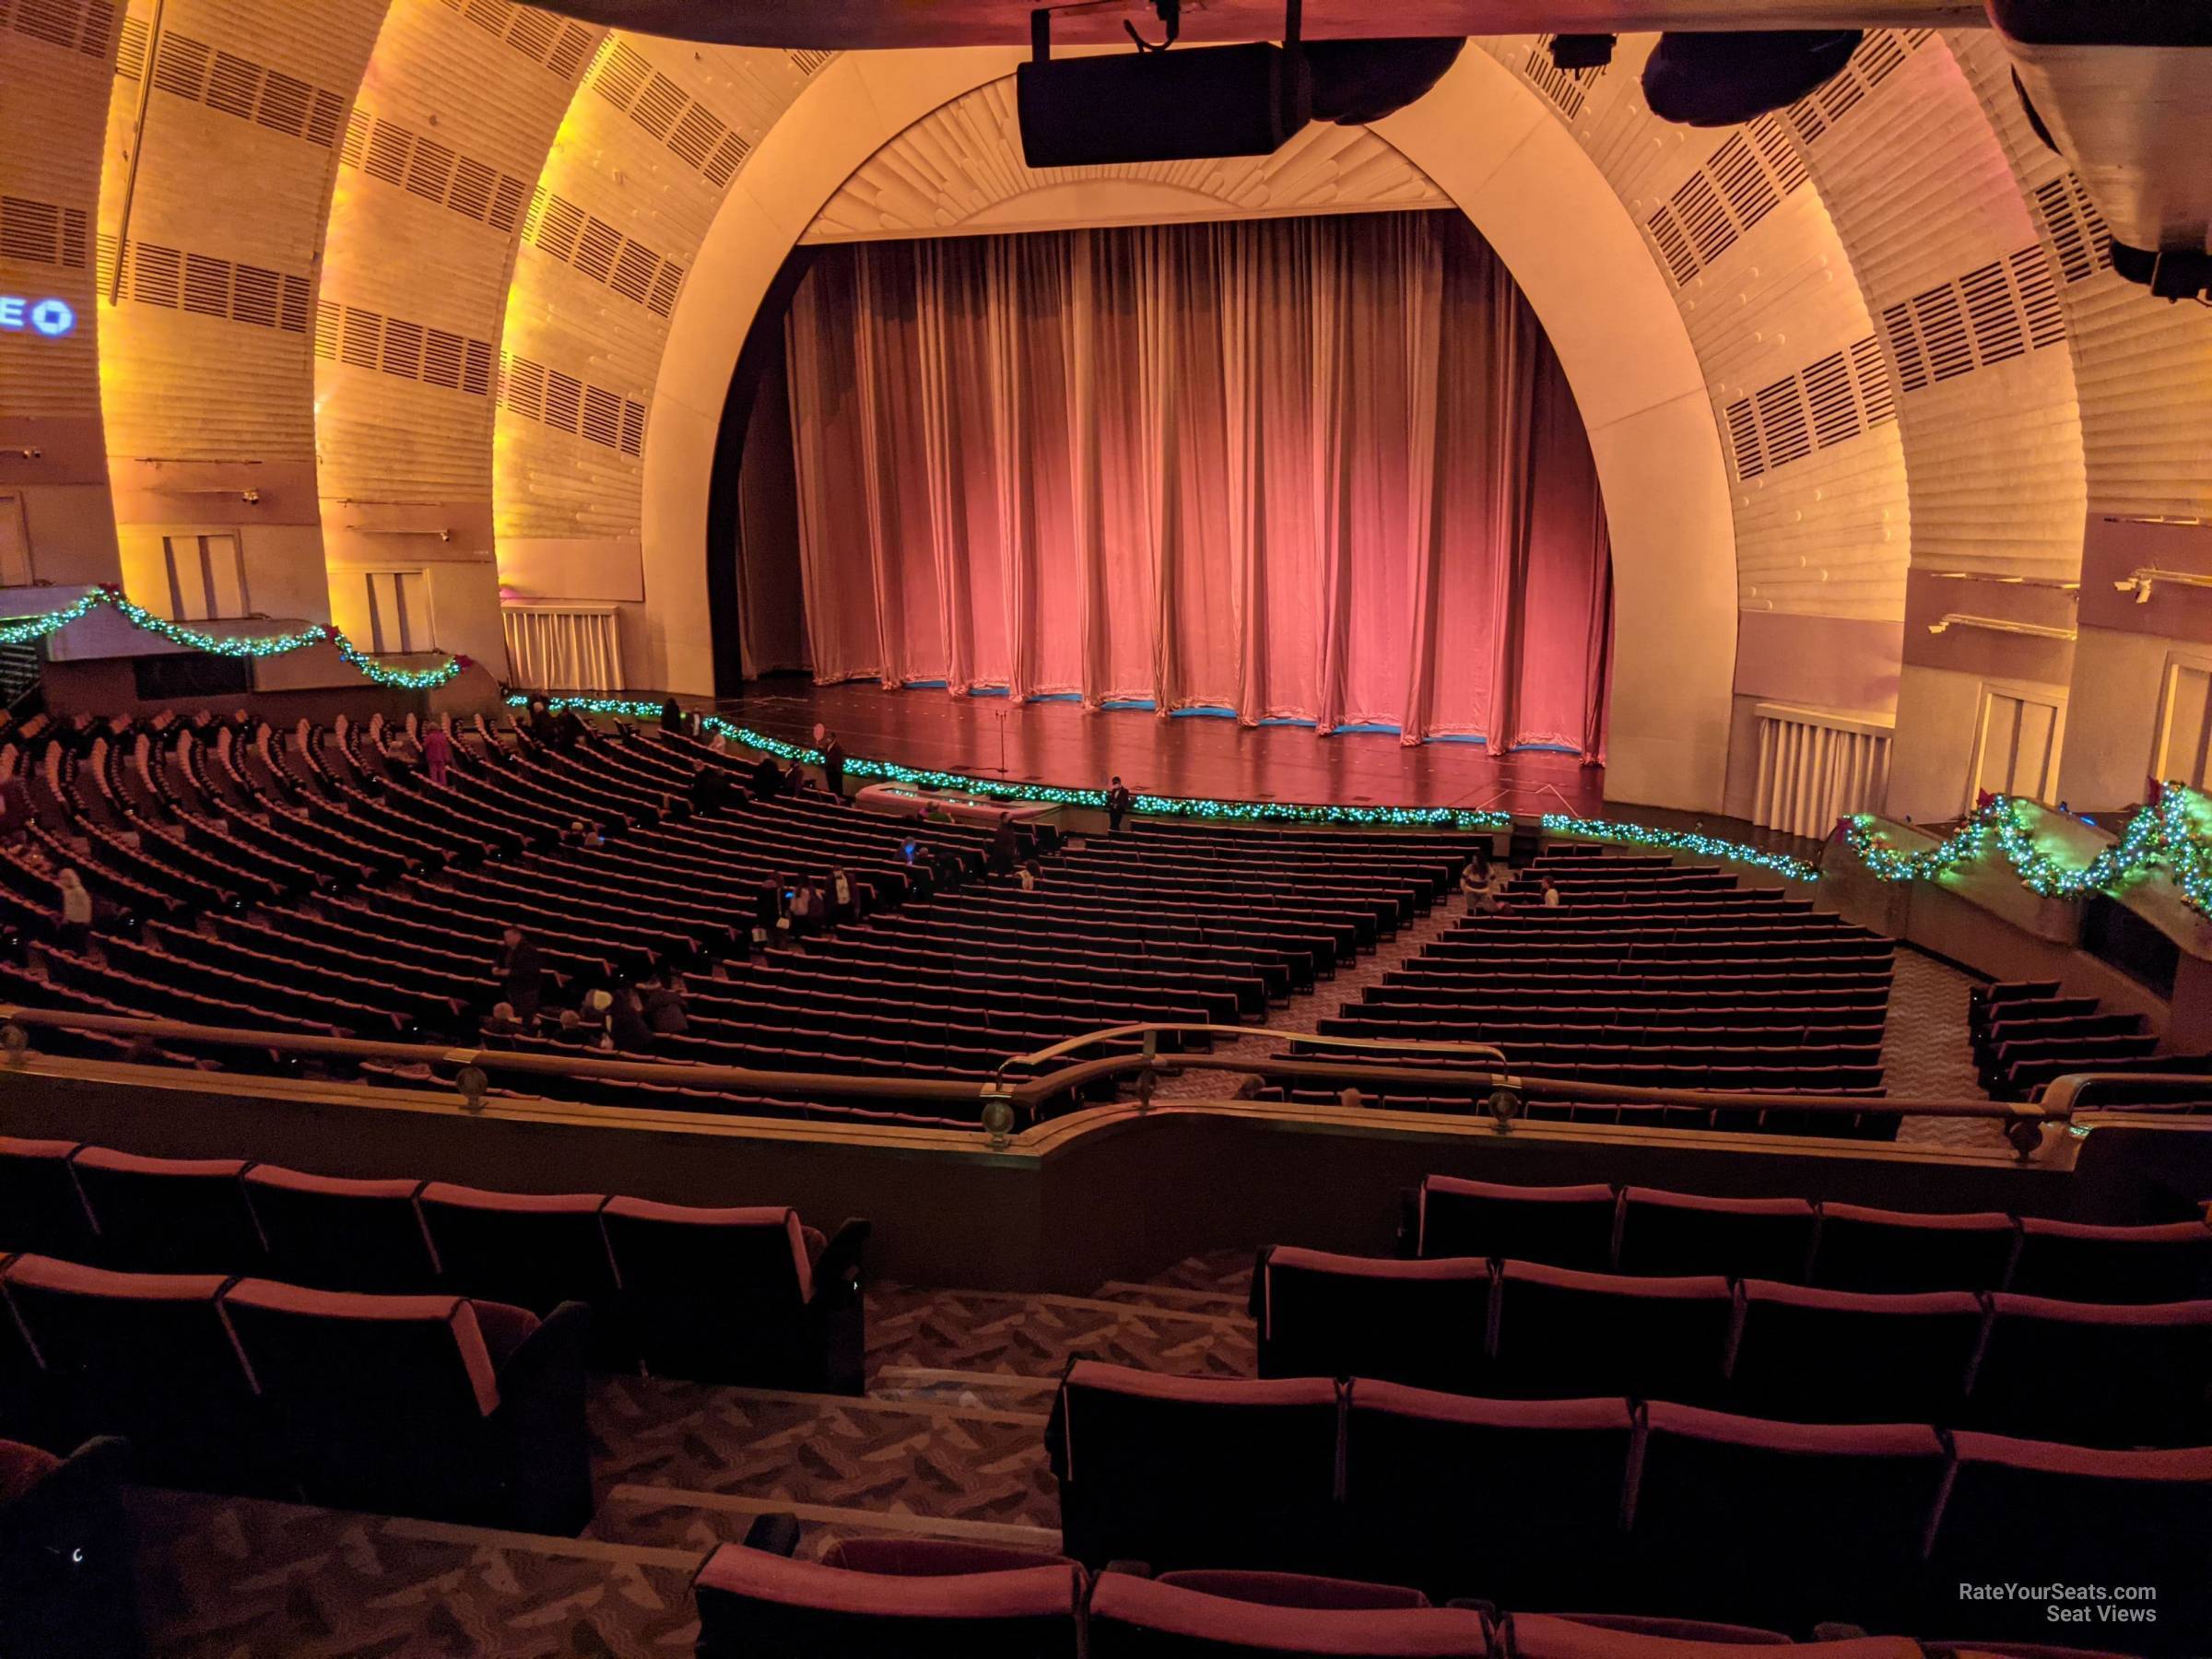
[1844, 1357]
[2026, 1512]
[1675, 1233]
[1763, 1523]
[1559, 1334]
[1565, 1225]
[2078, 1261]
[1542, 1636]
[40, 1208]
[1324, 1315]
[745, 1296]
[1135, 1617]
[170, 1214]
[151, 1358]
[1518, 1502]
[530, 1250]
[1879, 1250]
[2131, 1374]
[913, 1600]
[1194, 1471]
[340, 1234]
[430, 1406]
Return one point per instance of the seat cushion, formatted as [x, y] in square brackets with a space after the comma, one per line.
[1136, 1616]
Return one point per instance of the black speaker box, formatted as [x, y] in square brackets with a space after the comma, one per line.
[1161, 106]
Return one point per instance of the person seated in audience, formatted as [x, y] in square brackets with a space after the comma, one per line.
[585, 835]
[15, 809]
[626, 1026]
[541, 722]
[497, 1028]
[945, 866]
[672, 718]
[76, 911]
[1118, 802]
[833, 765]
[593, 1016]
[436, 754]
[567, 730]
[805, 910]
[795, 779]
[1005, 849]
[663, 1000]
[1026, 875]
[710, 788]
[569, 1032]
[521, 974]
[767, 899]
[768, 778]
[1551, 894]
[845, 899]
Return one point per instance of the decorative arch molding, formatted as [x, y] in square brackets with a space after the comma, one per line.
[1484, 140]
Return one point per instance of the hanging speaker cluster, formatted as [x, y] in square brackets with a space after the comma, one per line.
[1714, 80]
[1161, 105]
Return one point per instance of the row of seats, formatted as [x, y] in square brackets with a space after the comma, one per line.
[905, 1598]
[1599, 1229]
[2019, 1365]
[444, 1406]
[2023, 1033]
[736, 1294]
[1614, 1506]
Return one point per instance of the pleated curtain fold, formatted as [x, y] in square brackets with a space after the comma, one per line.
[1315, 469]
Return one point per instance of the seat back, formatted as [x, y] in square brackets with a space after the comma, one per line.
[40, 1208]
[1724, 1511]
[2074, 1261]
[1676, 1234]
[1845, 1356]
[339, 1234]
[386, 1401]
[754, 1602]
[2124, 1374]
[1897, 1251]
[1419, 1322]
[1194, 1471]
[1561, 1334]
[1544, 1636]
[168, 1215]
[1133, 1618]
[151, 1358]
[529, 1249]
[2029, 1512]
[716, 1295]
[1519, 1501]
[1562, 1226]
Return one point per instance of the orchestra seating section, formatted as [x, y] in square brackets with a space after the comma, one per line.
[314, 881]
[2026, 1032]
[1648, 973]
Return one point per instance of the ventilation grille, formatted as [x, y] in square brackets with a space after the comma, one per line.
[85, 26]
[383, 150]
[565, 404]
[178, 279]
[1565, 88]
[809, 63]
[1738, 185]
[41, 233]
[2079, 235]
[557, 226]
[551, 42]
[698, 137]
[2003, 311]
[1822, 405]
[364, 339]
[192, 69]
[1878, 56]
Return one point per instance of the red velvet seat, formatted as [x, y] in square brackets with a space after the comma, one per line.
[913, 1603]
[1194, 1471]
[2077, 1262]
[170, 1214]
[1784, 1524]
[1843, 1357]
[2027, 1513]
[530, 1250]
[1294, 1589]
[1562, 1225]
[1535, 1627]
[734, 1295]
[1134, 1617]
[1563, 1335]
[1517, 1501]
[149, 1357]
[40, 1208]
[1677, 1233]
[1897, 1250]
[1419, 1322]
[1542, 1636]
[431, 1405]
[2132, 1375]
[339, 1234]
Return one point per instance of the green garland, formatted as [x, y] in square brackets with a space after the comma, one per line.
[1681, 841]
[2174, 832]
[23, 630]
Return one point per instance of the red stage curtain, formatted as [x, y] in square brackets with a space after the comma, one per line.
[1322, 469]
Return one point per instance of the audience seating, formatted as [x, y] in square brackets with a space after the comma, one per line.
[2024, 1033]
[1422, 1323]
[1568, 1227]
[40, 1208]
[2075, 1261]
[1866, 1249]
[2135, 1374]
[170, 1214]
[1132, 1616]
[333, 1233]
[1742, 1238]
[67, 1585]
[1854, 1356]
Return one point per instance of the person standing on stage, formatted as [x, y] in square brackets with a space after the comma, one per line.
[1118, 802]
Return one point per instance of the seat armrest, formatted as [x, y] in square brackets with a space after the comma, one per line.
[778, 1534]
[541, 1415]
[837, 1270]
[1255, 1302]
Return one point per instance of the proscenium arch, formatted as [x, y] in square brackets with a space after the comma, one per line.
[1534, 196]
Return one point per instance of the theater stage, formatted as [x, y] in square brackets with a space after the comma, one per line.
[1061, 743]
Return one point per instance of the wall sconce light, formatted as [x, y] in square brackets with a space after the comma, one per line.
[2146, 576]
[252, 498]
[2041, 630]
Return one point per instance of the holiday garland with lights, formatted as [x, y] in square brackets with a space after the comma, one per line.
[21, 630]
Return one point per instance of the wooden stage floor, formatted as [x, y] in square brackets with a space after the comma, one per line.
[1061, 743]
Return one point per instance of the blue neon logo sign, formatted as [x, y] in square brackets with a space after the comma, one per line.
[53, 318]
